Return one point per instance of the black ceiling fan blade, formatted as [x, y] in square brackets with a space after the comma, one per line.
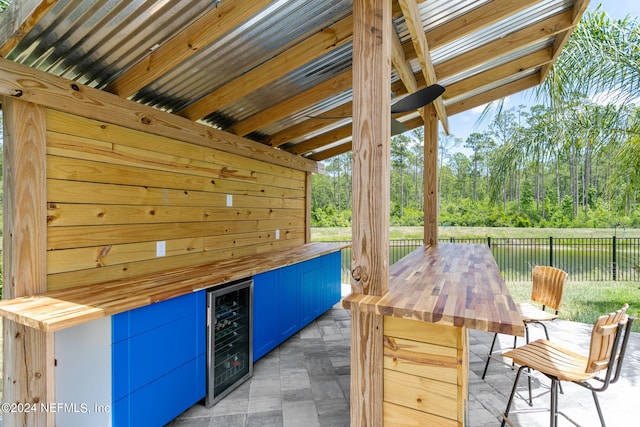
[417, 99]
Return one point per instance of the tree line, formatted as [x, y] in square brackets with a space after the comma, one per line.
[571, 161]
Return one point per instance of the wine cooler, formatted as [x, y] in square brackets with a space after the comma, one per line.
[229, 338]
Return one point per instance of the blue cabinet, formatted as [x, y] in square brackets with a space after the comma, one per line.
[265, 318]
[159, 358]
[287, 299]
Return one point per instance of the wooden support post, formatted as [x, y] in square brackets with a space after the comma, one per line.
[430, 176]
[28, 353]
[307, 208]
[371, 181]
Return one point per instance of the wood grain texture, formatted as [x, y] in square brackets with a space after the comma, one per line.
[27, 354]
[452, 284]
[430, 178]
[65, 95]
[57, 310]
[366, 391]
[425, 369]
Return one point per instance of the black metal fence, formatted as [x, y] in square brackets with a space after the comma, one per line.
[585, 259]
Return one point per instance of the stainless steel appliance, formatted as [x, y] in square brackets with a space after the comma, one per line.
[229, 338]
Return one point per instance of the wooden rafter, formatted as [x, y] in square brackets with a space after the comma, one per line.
[414, 24]
[550, 26]
[18, 19]
[561, 40]
[533, 60]
[500, 92]
[401, 65]
[474, 20]
[299, 102]
[218, 21]
[315, 46]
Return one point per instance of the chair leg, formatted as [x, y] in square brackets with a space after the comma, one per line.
[505, 415]
[554, 403]
[493, 343]
[595, 399]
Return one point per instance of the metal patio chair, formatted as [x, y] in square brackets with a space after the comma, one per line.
[609, 339]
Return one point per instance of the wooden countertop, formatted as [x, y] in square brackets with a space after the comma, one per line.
[450, 283]
[62, 309]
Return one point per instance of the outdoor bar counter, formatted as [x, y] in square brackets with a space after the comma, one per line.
[436, 294]
[57, 310]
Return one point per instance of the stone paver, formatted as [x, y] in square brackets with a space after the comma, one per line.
[305, 382]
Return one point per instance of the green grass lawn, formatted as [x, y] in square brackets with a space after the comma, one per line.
[585, 301]
[344, 233]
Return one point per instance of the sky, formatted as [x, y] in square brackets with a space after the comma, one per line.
[463, 124]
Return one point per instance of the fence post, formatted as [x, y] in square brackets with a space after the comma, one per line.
[615, 260]
[489, 241]
[551, 251]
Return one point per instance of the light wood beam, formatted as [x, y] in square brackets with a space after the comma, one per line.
[532, 60]
[18, 19]
[430, 178]
[400, 63]
[527, 62]
[474, 20]
[318, 93]
[500, 92]
[315, 46]
[544, 29]
[27, 353]
[578, 10]
[311, 125]
[414, 24]
[210, 26]
[371, 201]
[67, 96]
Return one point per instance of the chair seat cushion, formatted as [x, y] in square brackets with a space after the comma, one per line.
[531, 313]
[551, 359]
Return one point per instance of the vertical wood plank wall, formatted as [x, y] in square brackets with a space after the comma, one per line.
[113, 193]
[425, 373]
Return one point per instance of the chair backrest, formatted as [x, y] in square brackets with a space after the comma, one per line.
[605, 337]
[548, 285]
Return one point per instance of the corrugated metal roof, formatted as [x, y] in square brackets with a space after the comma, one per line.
[96, 41]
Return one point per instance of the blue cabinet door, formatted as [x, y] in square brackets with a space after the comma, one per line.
[332, 279]
[311, 299]
[159, 360]
[289, 298]
[265, 313]
[289, 301]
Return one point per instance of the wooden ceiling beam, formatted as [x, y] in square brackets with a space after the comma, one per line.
[312, 124]
[533, 60]
[315, 46]
[312, 96]
[315, 124]
[414, 24]
[578, 10]
[541, 30]
[474, 20]
[498, 93]
[18, 19]
[331, 152]
[401, 65]
[213, 24]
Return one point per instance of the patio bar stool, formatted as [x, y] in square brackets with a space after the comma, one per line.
[547, 290]
[609, 338]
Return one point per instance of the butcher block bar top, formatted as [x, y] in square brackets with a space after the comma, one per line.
[453, 284]
[56, 310]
